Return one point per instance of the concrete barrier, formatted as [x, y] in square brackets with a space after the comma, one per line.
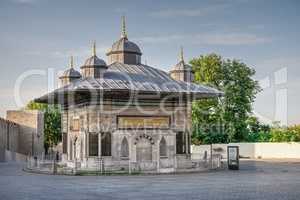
[252, 150]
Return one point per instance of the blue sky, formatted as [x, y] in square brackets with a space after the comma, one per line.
[42, 34]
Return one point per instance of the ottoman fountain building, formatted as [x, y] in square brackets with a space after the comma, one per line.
[122, 111]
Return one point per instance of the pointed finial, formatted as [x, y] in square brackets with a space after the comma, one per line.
[181, 54]
[123, 34]
[71, 62]
[94, 48]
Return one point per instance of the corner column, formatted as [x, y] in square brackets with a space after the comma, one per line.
[186, 142]
[87, 145]
[99, 145]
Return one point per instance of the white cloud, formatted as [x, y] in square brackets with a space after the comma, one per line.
[121, 10]
[191, 12]
[231, 39]
[269, 66]
[280, 62]
[208, 39]
[159, 38]
[81, 52]
[24, 1]
[27, 93]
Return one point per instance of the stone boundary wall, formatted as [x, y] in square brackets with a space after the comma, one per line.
[9, 134]
[31, 137]
[21, 133]
[252, 150]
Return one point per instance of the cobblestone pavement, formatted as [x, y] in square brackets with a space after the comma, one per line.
[256, 180]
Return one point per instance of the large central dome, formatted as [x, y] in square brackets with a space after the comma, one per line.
[123, 50]
[124, 45]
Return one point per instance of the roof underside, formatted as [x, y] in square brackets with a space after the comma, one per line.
[139, 78]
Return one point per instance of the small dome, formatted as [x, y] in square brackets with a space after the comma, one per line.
[181, 66]
[94, 61]
[70, 73]
[182, 71]
[124, 45]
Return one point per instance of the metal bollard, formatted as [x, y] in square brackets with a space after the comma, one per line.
[129, 167]
[54, 167]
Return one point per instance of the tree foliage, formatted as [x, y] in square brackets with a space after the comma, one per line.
[290, 134]
[240, 90]
[230, 112]
[207, 113]
[52, 122]
[257, 131]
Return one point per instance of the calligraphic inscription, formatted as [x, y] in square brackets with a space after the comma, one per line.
[74, 125]
[148, 137]
[140, 122]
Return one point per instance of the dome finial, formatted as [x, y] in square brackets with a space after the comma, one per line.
[181, 54]
[94, 48]
[71, 62]
[123, 34]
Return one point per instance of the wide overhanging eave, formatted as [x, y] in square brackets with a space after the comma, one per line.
[61, 97]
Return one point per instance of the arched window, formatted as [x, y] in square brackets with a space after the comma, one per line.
[71, 150]
[124, 148]
[163, 147]
[180, 143]
[65, 142]
[106, 144]
[93, 144]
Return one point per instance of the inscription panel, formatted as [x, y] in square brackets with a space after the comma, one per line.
[143, 122]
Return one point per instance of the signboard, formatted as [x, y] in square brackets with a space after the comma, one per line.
[143, 122]
[233, 157]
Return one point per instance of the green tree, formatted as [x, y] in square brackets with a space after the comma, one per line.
[285, 134]
[207, 113]
[258, 132]
[240, 91]
[230, 112]
[52, 122]
[253, 124]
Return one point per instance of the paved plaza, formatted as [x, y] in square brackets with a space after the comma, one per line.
[256, 180]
